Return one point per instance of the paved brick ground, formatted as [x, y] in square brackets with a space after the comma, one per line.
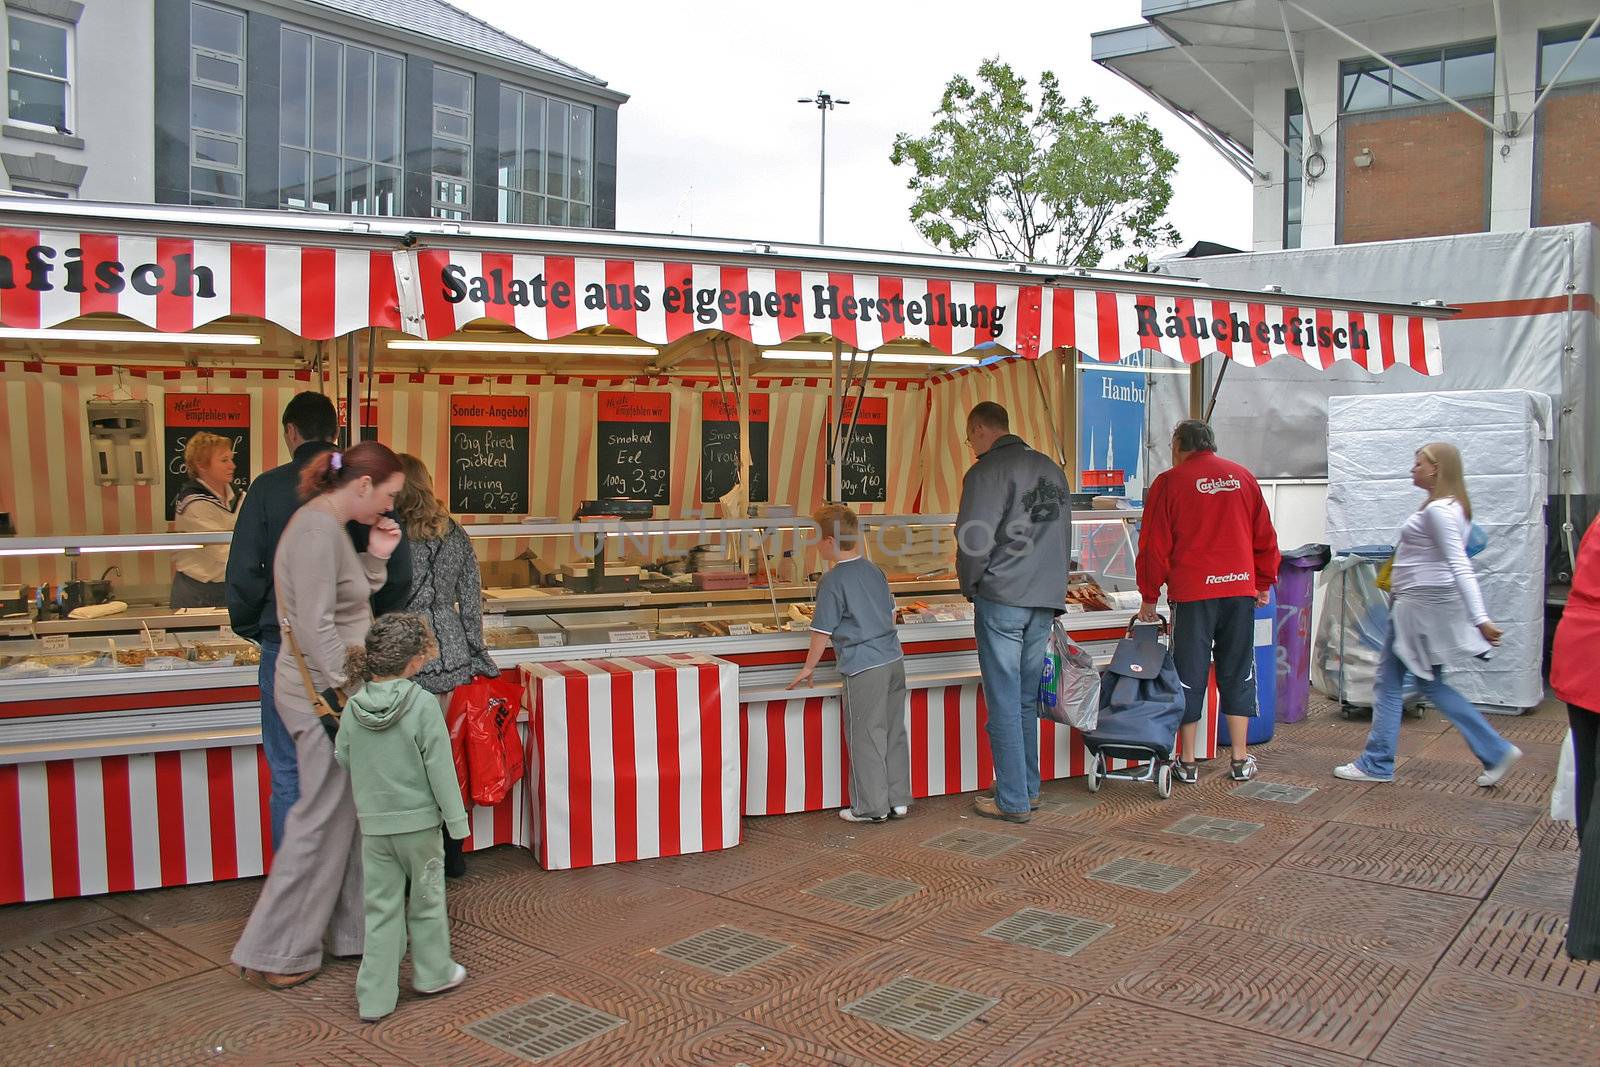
[1412, 923]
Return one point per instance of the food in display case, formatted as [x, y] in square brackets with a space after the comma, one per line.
[509, 637]
[1084, 592]
[223, 652]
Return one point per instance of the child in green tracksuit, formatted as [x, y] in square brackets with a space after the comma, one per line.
[393, 740]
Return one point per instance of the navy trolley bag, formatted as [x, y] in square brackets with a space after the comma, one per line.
[1141, 708]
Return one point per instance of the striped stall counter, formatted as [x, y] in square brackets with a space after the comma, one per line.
[110, 824]
[796, 758]
[631, 758]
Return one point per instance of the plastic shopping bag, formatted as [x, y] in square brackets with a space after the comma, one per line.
[1069, 690]
[1564, 795]
[488, 709]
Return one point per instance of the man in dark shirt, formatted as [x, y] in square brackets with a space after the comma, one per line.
[310, 426]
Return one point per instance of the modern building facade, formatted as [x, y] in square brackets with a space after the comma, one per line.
[1371, 120]
[376, 107]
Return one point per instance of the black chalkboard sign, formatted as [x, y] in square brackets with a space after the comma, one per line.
[865, 473]
[633, 453]
[719, 446]
[488, 455]
[226, 415]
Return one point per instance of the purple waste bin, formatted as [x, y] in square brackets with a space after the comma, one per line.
[1296, 581]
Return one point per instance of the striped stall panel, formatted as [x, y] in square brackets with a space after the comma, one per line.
[1012, 385]
[632, 758]
[111, 824]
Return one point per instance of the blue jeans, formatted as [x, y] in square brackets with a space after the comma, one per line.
[282, 764]
[1011, 650]
[1378, 757]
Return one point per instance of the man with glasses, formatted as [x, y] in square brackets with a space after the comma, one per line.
[1013, 546]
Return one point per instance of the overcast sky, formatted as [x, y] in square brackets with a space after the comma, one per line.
[713, 141]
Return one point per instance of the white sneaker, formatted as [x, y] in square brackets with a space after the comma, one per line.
[1492, 776]
[849, 815]
[899, 811]
[456, 978]
[1351, 773]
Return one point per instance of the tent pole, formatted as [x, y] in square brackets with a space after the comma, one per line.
[1067, 416]
[1216, 388]
[1197, 390]
[836, 439]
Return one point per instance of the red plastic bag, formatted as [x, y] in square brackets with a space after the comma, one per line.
[485, 712]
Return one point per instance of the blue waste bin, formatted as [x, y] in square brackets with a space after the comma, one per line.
[1261, 727]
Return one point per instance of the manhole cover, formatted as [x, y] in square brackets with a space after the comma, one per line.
[865, 890]
[1051, 931]
[543, 1027]
[724, 950]
[1276, 792]
[976, 843]
[1142, 874]
[1213, 828]
[922, 1009]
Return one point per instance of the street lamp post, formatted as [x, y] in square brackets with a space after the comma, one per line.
[824, 103]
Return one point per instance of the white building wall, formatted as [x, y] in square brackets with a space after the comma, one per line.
[1512, 178]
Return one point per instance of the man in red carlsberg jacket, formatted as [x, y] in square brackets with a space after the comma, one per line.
[1207, 537]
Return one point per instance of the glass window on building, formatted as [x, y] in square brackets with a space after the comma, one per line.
[339, 142]
[1294, 135]
[451, 197]
[545, 172]
[39, 72]
[1556, 47]
[1460, 71]
[216, 106]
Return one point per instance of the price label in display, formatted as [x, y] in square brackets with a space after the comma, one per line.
[161, 663]
[739, 629]
[624, 637]
[548, 639]
[915, 620]
[489, 454]
[946, 616]
[633, 452]
[56, 643]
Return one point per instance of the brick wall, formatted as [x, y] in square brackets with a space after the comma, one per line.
[1569, 158]
[1429, 175]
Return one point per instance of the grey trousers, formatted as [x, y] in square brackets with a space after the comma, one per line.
[880, 756]
[314, 887]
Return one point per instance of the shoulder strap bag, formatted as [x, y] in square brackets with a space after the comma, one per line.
[329, 703]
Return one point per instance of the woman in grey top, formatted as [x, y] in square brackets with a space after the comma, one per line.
[324, 591]
[447, 591]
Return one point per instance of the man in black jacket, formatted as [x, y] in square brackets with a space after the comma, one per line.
[310, 426]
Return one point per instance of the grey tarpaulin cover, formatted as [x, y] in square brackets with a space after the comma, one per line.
[1514, 333]
[1503, 436]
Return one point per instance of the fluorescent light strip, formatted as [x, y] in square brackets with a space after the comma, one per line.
[134, 337]
[522, 347]
[905, 359]
[1123, 368]
[94, 549]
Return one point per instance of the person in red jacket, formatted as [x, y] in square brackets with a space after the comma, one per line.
[1207, 537]
[1575, 680]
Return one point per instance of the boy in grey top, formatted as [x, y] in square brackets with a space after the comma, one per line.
[855, 611]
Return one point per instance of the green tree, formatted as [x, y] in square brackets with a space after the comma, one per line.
[1024, 181]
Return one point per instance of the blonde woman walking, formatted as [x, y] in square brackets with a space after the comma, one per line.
[1437, 620]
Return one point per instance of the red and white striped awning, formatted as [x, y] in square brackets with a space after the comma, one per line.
[174, 284]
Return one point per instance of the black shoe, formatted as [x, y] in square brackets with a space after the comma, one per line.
[455, 860]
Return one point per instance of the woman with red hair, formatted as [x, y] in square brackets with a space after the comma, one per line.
[324, 589]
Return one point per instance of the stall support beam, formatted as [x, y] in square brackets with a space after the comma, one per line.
[1067, 415]
[1197, 390]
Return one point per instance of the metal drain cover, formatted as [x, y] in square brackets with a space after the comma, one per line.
[1066, 804]
[922, 1009]
[724, 950]
[863, 890]
[543, 1027]
[1051, 931]
[1142, 874]
[975, 843]
[1213, 828]
[1276, 792]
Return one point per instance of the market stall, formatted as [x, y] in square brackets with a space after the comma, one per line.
[728, 388]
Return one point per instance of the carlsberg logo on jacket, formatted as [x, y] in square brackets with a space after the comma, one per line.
[1213, 486]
